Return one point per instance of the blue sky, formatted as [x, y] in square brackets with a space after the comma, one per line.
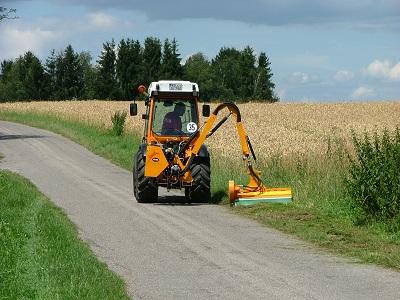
[319, 50]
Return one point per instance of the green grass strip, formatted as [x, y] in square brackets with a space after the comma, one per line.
[320, 213]
[41, 256]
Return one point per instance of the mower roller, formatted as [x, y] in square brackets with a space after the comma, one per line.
[173, 153]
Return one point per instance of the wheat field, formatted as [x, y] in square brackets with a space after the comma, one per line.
[277, 128]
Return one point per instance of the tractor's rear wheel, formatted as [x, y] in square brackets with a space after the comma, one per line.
[201, 174]
[144, 189]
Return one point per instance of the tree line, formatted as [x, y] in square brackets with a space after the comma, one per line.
[232, 74]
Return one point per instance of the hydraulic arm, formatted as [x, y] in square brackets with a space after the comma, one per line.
[254, 191]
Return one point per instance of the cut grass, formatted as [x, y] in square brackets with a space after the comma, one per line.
[371, 244]
[41, 254]
[321, 212]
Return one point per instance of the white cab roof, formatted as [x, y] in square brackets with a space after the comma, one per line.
[173, 86]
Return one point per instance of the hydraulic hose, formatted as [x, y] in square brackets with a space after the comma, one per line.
[251, 148]
[223, 120]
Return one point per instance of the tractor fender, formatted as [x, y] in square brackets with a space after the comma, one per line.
[203, 151]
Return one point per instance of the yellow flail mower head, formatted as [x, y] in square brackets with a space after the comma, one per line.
[255, 192]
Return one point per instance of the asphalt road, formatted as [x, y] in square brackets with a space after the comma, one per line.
[176, 251]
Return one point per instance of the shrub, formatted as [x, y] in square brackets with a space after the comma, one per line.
[118, 121]
[374, 177]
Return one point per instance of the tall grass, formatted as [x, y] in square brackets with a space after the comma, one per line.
[118, 122]
[317, 180]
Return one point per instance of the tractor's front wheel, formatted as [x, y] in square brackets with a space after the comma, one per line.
[201, 174]
[144, 189]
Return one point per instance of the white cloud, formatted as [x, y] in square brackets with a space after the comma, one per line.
[302, 78]
[343, 75]
[20, 40]
[384, 69]
[101, 20]
[363, 92]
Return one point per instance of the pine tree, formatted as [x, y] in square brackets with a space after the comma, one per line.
[59, 83]
[73, 75]
[107, 85]
[247, 73]
[171, 63]
[263, 85]
[151, 60]
[10, 80]
[166, 62]
[33, 77]
[50, 73]
[64, 75]
[176, 60]
[6, 66]
[129, 67]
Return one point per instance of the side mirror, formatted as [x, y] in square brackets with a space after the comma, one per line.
[206, 110]
[133, 109]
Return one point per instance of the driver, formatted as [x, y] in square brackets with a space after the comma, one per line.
[172, 120]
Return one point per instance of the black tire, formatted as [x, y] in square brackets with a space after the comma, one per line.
[144, 188]
[200, 190]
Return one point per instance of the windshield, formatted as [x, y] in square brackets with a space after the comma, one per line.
[174, 117]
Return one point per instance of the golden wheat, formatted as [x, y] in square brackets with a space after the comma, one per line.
[273, 128]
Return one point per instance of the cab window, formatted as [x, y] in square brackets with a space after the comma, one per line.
[175, 117]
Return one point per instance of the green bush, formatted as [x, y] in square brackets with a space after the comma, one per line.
[374, 177]
[118, 121]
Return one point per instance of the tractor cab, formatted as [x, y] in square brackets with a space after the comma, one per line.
[172, 113]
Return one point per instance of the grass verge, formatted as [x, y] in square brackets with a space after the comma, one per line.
[322, 213]
[41, 254]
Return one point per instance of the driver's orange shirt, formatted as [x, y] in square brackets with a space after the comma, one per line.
[172, 121]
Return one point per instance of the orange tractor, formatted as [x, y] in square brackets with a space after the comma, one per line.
[173, 154]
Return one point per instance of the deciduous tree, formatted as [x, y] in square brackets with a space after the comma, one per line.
[197, 69]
